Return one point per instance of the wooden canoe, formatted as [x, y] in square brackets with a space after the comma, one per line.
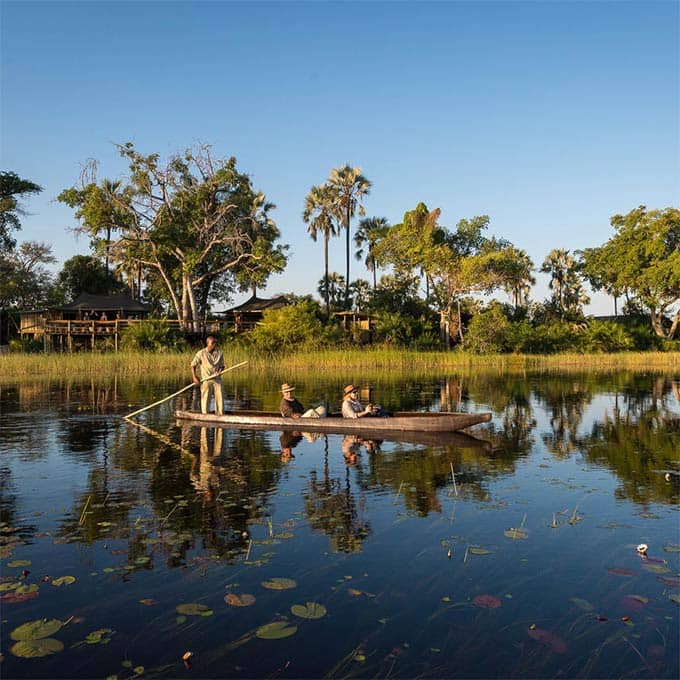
[406, 422]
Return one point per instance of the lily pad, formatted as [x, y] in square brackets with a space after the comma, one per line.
[194, 609]
[36, 630]
[19, 563]
[243, 600]
[671, 548]
[276, 630]
[478, 550]
[515, 534]
[674, 597]
[12, 598]
[656, 568]
[99, 636]
[486, 602]
[620, 571]
[548, 639]
[583, 604]
[279, 583]
[312, 610]
[64, 581]
[32, 649]
[4, 587]
[634, 602]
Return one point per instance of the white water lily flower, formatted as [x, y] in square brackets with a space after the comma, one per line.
[642, 548]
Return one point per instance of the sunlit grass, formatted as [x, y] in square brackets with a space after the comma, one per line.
[331, 362]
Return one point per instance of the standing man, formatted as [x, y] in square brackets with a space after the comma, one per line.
[211, 362]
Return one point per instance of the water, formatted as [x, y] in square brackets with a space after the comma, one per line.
[525, 567]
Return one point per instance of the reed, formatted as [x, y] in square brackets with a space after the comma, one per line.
[372, 361]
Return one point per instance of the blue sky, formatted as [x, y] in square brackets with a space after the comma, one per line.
[548, 116]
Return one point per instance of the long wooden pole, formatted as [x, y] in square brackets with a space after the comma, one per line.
[184, 389]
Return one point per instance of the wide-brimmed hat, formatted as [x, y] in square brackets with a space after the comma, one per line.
[287, 388]
[349, 389]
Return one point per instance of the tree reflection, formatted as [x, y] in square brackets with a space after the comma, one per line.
[332, 509]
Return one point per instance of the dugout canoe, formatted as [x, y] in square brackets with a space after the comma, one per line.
[399, 422]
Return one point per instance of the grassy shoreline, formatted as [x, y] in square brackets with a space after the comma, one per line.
[329, 362]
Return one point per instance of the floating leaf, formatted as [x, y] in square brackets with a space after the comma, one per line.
[669, 581]
[284, 535]
[148, 601]
[548, 639]
[671, 548]
[179, 620]
[656, 568]
[19, 563]
[276, 630]
[620, 571]
[478, 550]
[243, 600]
[675, 597]
[4, 587]
[515, 533]
[31, 649]
[12, 598]
[36, 630]
[99, 636]
[360, 658]
[138, 670]
[634, 602]
[144, 559]
[486, 602]
[194, 609]
[582, 604]
[64, 581]
[312, 610]
[279, 583]
[354, 592]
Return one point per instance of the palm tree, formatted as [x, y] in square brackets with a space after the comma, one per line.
[370, 231]
[565, 282]
[320, 216]
[361, 293]
[332, 287]
[519, 279]
[349, 187]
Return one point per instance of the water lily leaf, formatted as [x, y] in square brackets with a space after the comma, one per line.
[12, 598]
[360, 658]
[582, 604]
[515, 534]
[32, 649]
[27, 589]
[36, 630]
[284, 535]
[4, 587]
[312, 610]
[194, 609]
[179, 620]
[486, 602]
[243, 600]
[548, 639]
[19, 563]
[669, 581]
[64, 581]
[478, 550]
[671, 548]
[99, 636]
[634, 602]
[148, 601]
[279, 583]
[675, 597]
[138, 670]
[144, 559]
[620, 571]
[276, 630]
[656, 568]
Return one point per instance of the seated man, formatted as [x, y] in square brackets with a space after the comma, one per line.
[291, 408]
[351, 406]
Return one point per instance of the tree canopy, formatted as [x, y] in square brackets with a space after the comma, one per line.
[12, 189]
[642, 260]
[192, 221]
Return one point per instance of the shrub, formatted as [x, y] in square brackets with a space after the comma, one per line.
[605, 336]
[489, 332]
[151, 335]
[294, 327]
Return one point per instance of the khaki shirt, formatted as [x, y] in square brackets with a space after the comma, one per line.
[210, 362]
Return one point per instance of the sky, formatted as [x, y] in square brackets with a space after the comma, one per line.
[548, 116]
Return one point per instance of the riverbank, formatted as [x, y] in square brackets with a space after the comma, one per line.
[371, 361]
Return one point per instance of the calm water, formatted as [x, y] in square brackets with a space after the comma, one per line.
[525, 567]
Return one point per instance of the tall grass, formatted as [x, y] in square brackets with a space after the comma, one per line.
[331, 362]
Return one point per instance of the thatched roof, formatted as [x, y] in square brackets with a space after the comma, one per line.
[105, 303]
[256, 304]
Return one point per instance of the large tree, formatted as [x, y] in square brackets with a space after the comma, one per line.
[455, 263]
[369, 233]
[642, 260]
[12, 189]
[85, 274]
[349, 187]
[567, 293]
[25, 282]
[320, 216]
[189, 220]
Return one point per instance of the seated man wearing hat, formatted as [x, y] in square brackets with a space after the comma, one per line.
[351, 406]
[291, 408]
